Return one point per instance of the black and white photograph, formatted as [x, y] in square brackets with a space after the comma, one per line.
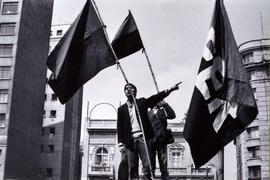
[134, 89]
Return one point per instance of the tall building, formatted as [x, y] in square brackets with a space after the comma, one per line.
[252, 146]
[24, 37]
[101, 156]
[59, 151]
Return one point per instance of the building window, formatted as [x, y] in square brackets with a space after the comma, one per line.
[6, 49]
[59, 32]
[50, 148]
[52, 131]
[49, 172]
[7, 28]
[4, 72]
[2, 120]
[254, 152]
[53, 113]
[254, 172]
[266, 57]
[102, 156]
[176, 159]
[175, 155]
[10, 8]
[248, 58]
[260, 74]
[3, 95]
[252, 75]
[253, 132]
[54, 97]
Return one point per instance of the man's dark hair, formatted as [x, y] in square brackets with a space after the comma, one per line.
[130, 84]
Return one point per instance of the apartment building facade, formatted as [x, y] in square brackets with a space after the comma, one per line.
[252, 146]
[24, 37]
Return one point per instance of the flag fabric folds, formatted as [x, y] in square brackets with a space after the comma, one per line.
[83, 51]
[222, 103]
[127, 39]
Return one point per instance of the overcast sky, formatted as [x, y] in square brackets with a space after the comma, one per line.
[174, 34]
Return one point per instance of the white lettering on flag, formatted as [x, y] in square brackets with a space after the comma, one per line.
[207, 54]
[226, 109]
[210, 73]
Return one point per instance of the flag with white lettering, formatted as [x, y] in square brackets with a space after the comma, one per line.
[223, 103]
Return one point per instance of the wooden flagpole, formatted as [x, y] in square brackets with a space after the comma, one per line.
[150, 67]
[133, 97]
[148, 61]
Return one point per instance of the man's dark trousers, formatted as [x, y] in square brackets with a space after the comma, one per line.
[138, 148]
[162, 159]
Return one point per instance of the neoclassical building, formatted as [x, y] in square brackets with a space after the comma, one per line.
[252, 146]
[101, 155]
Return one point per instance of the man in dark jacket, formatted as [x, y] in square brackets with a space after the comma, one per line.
[130, 130]
[158, 117]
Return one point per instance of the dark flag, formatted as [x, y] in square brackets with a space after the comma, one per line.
[223, 103]
[82, 52]
[127, 39]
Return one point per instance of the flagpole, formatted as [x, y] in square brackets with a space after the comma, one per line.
[107, 37]
[133, 97]
[148, 61]
[150, 67]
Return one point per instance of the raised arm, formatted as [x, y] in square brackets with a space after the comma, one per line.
[153, 100]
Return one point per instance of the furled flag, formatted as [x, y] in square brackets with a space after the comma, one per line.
[223, 103]
[127, 39]
[83, 51]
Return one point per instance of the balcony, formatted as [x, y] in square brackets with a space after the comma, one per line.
[254, 44]
[250, 142]
[102, 125]
[254, 161]
[189, 173]
[101, 170]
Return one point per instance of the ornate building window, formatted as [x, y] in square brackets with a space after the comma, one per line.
[102, 156]
[176, 153]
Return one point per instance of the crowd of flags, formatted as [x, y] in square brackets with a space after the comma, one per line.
[222, 103]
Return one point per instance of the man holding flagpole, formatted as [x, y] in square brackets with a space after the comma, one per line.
[132, 132]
